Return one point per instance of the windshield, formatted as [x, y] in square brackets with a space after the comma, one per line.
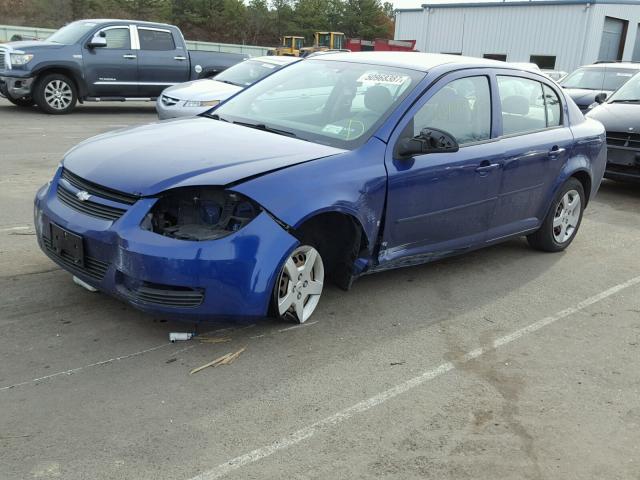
[245, 73]
[329, 102]
[598, 78]
[70, 34]
[629, 92]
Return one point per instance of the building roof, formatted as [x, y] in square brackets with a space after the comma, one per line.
[520, 3]
[422, 62]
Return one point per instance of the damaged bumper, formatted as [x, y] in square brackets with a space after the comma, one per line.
[231, 277]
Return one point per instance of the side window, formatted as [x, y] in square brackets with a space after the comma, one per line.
[461, 108]
[554, 107]
[155, 40]
[522, 105]
[118, 38]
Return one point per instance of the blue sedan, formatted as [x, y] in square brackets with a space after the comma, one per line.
[331, 168]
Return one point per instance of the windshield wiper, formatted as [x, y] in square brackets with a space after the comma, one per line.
[227, 81]
[625, 100]
[215, 116]
[262, 126]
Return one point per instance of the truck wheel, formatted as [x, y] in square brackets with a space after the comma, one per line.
[22, 101]
[56, 94]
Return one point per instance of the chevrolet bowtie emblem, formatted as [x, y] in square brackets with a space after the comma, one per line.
[83, 196]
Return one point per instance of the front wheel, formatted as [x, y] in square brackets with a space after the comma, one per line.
[561, 224]
[56, 94]
[299, 285]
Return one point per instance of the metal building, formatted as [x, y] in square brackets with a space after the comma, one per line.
[554, 34]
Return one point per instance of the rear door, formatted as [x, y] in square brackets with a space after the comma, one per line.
[162, 60]
[112, 71]
[536, 141]
[439, 203]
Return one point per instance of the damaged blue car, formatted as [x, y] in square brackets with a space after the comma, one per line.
[334, 167]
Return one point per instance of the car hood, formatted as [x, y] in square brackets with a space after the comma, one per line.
[584, 97]
[618, 117]
[196, 151]
[204, 89]
[32, 45]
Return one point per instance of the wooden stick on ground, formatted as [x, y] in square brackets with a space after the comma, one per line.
[223, 360]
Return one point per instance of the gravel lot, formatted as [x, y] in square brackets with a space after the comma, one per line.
[397, 379]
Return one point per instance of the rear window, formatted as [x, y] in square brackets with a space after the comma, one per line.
[155, 39]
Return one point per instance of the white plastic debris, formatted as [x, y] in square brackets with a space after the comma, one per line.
[84, 284]
[179, 336]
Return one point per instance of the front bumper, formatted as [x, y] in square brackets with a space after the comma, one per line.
[623, 163]
[232, 277]
[166, 112]
[16, 87]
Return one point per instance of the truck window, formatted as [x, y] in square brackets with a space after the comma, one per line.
[155, 39]
[118, 38]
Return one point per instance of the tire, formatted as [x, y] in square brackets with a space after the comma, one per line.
[56, 94]
[562, 223]
[22, 101]
[299, 284]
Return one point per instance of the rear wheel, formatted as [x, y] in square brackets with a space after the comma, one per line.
[299, 285]
[56, 94]
[561, 224]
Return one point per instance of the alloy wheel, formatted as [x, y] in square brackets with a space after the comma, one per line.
[300, 283]
[58, 94]
[567, 216]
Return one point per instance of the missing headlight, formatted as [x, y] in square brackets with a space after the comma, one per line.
[200, 214]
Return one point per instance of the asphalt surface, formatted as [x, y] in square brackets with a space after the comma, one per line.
[505, 363]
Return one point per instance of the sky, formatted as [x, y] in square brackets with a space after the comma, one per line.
[418, 3]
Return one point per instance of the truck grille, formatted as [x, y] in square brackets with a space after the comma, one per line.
[166, 295]
[88, 207]
[168, 101]
[621, 139]
[93, 267]
[4, 58]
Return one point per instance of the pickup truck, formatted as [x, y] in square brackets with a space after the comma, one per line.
[102, 60]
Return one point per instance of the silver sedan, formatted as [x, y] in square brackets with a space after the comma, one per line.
[192, 98]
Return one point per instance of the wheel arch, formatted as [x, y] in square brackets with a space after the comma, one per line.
[340, 238]
[72, 73]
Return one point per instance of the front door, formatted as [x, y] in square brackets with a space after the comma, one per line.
[440, 203]
[112, 71]
[162, 61]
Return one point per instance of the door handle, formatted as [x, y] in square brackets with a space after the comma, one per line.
[130, 56]
[556, 151]
[486, 166]
[180, 58]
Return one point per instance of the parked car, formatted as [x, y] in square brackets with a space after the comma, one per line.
[586, 83]
[391, 159]
[93, 60]
[192, 98]
[620, 115]
[556, 75]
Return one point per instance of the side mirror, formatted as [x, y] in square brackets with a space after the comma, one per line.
[601, 97]
[430, 140]
[98, 40]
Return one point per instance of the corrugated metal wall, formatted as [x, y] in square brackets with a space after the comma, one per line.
[571, 33]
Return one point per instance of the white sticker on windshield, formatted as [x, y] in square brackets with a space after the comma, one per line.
[624, 74]
[335, 129]
[386, 78]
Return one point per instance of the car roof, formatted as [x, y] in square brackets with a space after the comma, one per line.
[276, 60]
[413, 60]
[112, 20]
[620, 65]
